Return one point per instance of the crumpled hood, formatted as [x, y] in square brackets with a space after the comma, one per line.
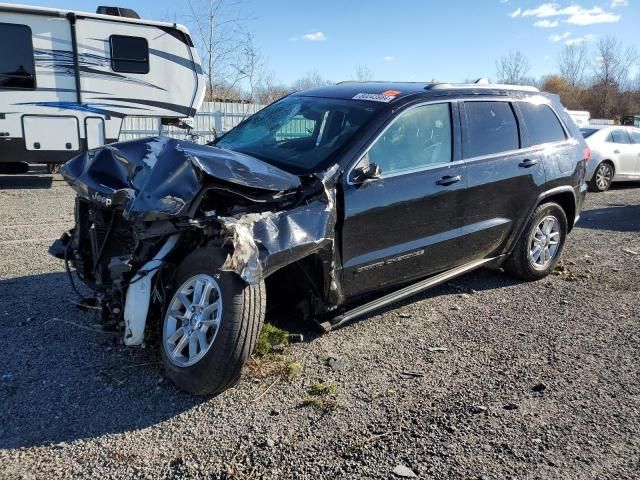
[159, 177]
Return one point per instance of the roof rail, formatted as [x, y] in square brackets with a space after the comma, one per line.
[481, 83]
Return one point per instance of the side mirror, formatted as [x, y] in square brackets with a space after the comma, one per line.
[368, 171]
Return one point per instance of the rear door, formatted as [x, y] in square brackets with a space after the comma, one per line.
[624, 150]
[405, 224]
[634, 134]
[503, 179]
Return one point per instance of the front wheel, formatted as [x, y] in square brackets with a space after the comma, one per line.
[211, 324]
[538, 251]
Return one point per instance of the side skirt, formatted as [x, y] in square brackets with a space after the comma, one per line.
[406, 292]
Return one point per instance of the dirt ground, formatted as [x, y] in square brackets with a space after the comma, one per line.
[485, 377]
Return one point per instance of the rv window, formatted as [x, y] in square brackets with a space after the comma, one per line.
[129, 54]
[17, 69]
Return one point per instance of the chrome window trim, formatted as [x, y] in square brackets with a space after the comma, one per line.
[449, 101]
[568, 141]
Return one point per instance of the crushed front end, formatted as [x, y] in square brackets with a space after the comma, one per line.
[142, 206]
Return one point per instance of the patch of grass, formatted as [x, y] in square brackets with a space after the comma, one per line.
[267, 361]
[292, 369]
[321, 389]
[270, 336]
[321, 395]
[312, 402]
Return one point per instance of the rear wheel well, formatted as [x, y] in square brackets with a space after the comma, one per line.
[567, 201]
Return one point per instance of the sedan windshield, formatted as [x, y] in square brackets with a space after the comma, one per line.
[299, 134]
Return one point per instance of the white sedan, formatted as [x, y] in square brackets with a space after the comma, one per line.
[615, 155]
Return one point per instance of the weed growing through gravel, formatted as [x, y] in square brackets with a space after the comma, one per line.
[321, 395]
[270, 336]
[270, 357]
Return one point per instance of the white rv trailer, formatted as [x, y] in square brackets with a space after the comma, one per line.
[68, 79]
[580, 117]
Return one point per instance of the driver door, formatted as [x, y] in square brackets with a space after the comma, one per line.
[406, 223]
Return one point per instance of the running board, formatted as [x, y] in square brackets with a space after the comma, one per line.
[402, 294]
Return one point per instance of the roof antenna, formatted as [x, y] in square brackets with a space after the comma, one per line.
[482, 81]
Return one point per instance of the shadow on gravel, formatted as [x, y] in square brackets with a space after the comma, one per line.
[12, 182]
[63, 378]
[479, 280]
[620, 218]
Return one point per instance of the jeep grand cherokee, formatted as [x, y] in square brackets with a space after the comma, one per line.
[338, 200]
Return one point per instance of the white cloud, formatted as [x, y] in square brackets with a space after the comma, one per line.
[546, 23]
[595, 15]
[558, 37]
[389, 58]
[310, 37]
[579, 40]
[314, 37]
[544, 10]
[574, 14]
[619, 3]
[515, 13]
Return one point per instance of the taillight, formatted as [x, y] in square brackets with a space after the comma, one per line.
[587, 155]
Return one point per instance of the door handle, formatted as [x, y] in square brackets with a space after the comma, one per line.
[527, 163]
[449, 180]
[616, 152]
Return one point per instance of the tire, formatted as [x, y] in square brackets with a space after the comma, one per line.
[522, 262]
[602, 177]
[233, 340]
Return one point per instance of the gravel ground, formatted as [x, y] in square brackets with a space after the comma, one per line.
[485, 377]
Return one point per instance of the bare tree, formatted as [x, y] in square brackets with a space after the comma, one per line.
[248, 68]
[513, 68]
[613, 62]
[217, 26]
[310, 80]
[270, 89]
[363, 73]
[611, 67]
[572, 63]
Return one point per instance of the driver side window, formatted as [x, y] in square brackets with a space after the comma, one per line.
[418, 138]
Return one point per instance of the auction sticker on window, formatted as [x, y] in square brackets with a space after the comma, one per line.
[384, 97]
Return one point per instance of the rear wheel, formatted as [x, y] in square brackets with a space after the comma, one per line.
[602, 177]
[211, 323]
[538, 251]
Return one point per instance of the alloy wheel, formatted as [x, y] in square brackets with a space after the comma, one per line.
[192, 321]
[544, 242]
[604, 175]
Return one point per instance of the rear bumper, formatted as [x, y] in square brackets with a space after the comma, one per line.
[581, 193]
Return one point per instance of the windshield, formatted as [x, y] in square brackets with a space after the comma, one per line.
[587, 132]
[299, 133]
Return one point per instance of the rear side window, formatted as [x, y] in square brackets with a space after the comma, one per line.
[542, 124]
[129, 54]
[17, 69]
[618, 136]
[491, 128]
[635, 136]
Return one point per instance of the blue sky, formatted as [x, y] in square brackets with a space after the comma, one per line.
[412, 39]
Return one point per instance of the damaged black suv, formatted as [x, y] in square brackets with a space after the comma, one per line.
[335, 200]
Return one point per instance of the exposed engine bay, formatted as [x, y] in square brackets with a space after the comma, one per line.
[144, 205]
